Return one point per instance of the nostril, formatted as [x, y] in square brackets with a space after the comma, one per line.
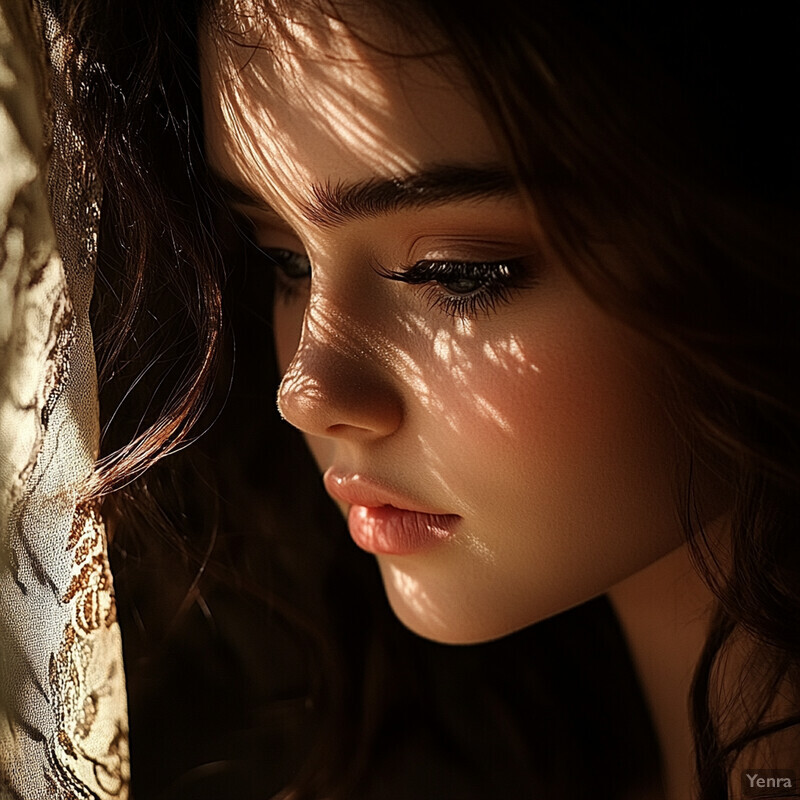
[341, 430]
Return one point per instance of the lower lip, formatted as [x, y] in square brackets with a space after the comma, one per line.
[387, 530]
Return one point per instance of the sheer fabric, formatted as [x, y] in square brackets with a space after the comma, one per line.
[63, 725]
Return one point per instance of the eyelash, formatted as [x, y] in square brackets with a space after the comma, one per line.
[495, 284]
[495, 281]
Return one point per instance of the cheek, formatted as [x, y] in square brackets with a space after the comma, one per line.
[556, 390]
[564, 463]
[567, 442]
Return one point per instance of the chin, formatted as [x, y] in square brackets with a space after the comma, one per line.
[446, 622]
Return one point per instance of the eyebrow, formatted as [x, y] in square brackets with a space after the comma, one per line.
[333, 204]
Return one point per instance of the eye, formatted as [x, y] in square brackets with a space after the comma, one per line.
[465, 289]
[292, 270]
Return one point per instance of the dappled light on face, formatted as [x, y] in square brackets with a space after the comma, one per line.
[350, 96]
[508, 354]
[336, 380]
[453, 350]
[295, 93]
[417, 385]
[432, 372]
[458, 363]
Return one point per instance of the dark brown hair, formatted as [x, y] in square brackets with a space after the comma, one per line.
[157, 302]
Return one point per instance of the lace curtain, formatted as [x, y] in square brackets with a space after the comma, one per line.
[63, 727]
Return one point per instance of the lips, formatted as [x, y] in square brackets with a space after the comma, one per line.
[384, 522]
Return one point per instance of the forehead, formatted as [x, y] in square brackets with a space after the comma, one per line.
[318, 97]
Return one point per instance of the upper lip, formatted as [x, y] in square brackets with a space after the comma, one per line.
[356, 489]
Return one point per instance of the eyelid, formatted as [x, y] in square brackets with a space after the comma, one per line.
[472, 240]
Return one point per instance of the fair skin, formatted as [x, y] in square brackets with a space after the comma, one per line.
[444, 366]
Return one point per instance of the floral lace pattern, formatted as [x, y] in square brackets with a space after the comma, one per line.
[85, 674]
[63, 719]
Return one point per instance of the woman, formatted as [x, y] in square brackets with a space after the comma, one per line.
[258, 653]
[535, 303]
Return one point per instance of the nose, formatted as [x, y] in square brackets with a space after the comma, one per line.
[339, 383]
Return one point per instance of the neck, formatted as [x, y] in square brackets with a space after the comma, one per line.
[664, 611]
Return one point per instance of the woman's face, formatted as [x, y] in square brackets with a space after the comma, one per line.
[495, 438]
